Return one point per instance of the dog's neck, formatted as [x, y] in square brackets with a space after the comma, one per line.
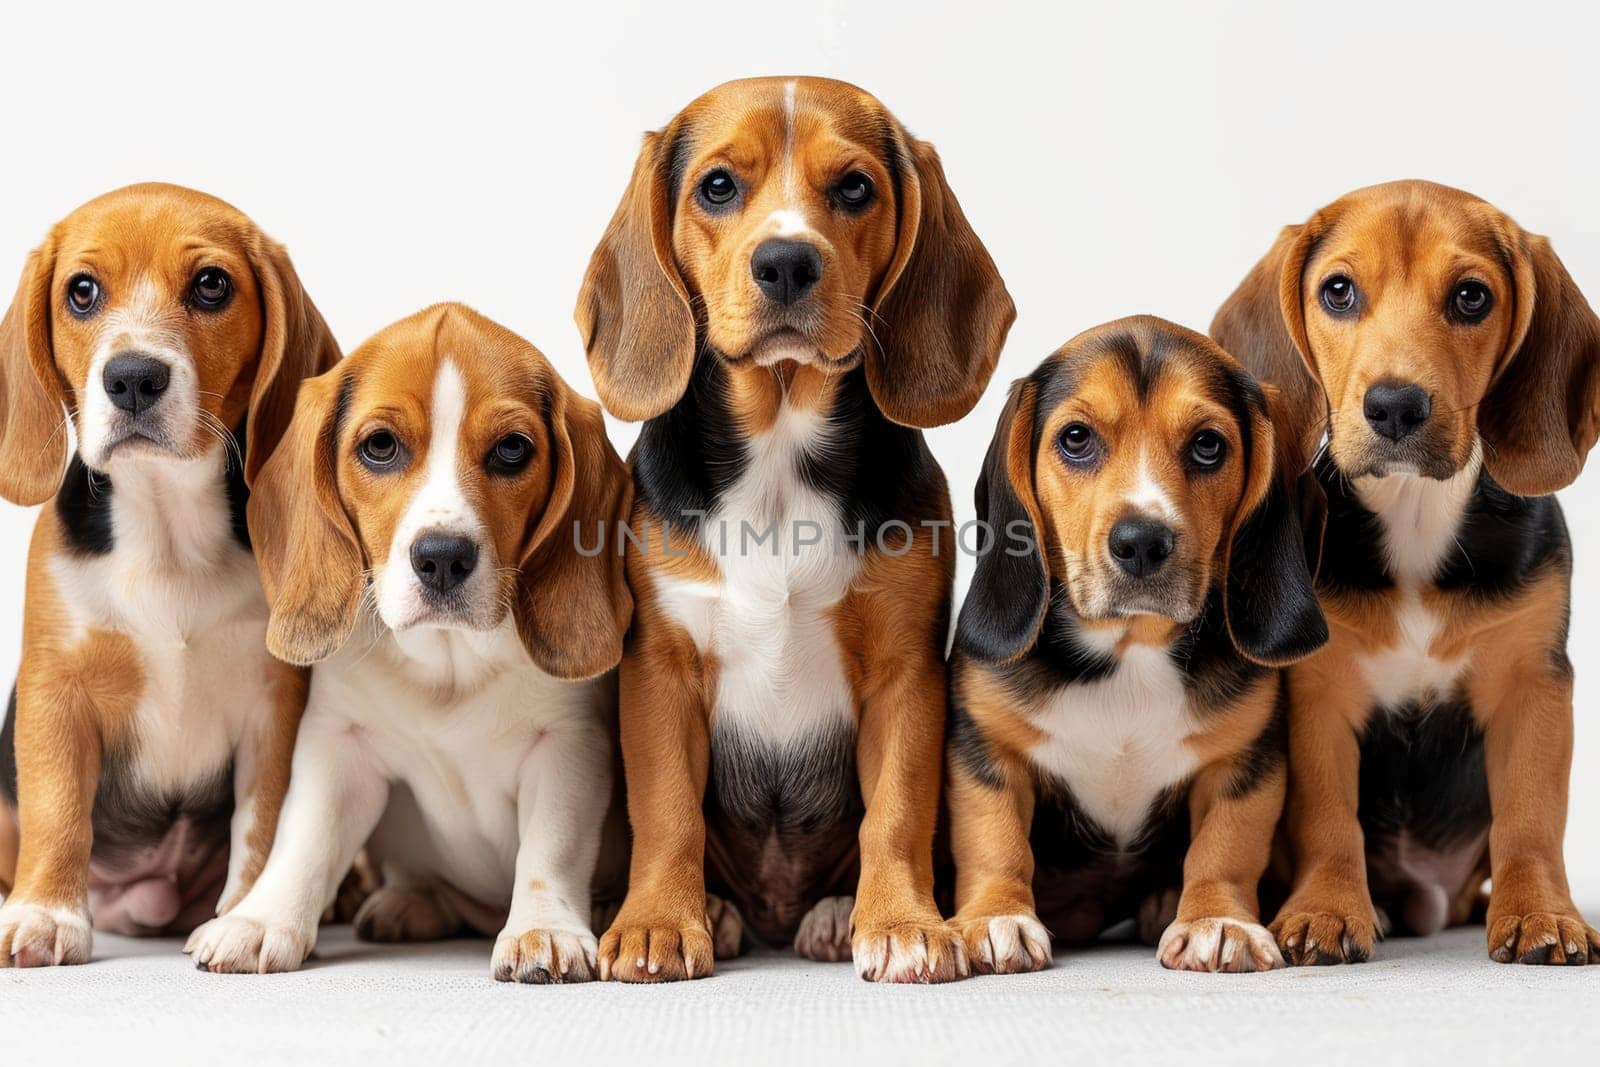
[1419, 516]
[453, 663]
[171, 514]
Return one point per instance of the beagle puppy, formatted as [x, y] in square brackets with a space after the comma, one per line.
[1452, 368]
[1116, 721]
[146, 747]
[424, 536]
[786, 293]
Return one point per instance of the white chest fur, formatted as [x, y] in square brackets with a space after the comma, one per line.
[454, 717]
[1419, 519]
[180, 586]
[784, 567]
[1118, 743]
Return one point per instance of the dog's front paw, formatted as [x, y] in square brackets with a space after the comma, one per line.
[824, 933]
[922, 952]
[239, 944]
[545, 957]
[726, 926]
[1218, 944]
[33, 935]
[1543, 937]
[656, 949]
[405, 913]
[1315, 938]
[1005, 944]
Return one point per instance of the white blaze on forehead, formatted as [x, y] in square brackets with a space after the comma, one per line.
[440, 503]
[1147, 495]
[789, 220]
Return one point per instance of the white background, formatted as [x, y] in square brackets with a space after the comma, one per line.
[1116, 158]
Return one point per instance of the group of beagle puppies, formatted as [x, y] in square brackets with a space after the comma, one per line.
[1270, 625]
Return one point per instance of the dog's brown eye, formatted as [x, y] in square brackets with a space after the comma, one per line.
[1079, 443]
[83, 293]
[380, 450]
[1471, 301]
[211, 289]
[510, 454]
[854, 190]
[718, 188]
[1207, 448]
[1339, 294]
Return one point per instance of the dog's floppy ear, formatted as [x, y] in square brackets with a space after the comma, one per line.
[633, 309]
[1010, 591]
[1269, 598]
[1263, 325]
[33, 432]
[311, 564]
[573, 606]
[295, 345]
[941, 313]
[1542, 413]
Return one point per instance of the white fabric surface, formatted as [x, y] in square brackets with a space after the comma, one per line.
[1438, 1002]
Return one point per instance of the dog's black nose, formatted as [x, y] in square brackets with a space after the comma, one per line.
[1140, 546]
[1396, 411]
[443, 561]
[134, 382]
[785, 270]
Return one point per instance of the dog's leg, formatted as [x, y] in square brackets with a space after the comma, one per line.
[1218, 927]
[8, 849]
[335, 797]
[1328, 917]
[45, 919]
[260, 780]
[661, 933]
[1528, 759]
[899, 934]
[561, 808]
[989, 826]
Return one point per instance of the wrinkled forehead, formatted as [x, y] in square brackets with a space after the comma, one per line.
[751, 125]
[421, 365]
[1417, 240]
[1141, 376]
[129, 236]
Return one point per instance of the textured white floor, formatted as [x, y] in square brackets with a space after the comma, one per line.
[1439, 1002]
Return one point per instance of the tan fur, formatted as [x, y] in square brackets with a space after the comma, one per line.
[327, 519]
[1526, 381]
[906, 285]
[78, 684]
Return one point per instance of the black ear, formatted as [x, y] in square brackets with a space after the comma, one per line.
[1270, 597]
[1005, 605]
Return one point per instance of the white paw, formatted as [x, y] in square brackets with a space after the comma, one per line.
[238, 944]
[1007, 944]
[824, 932]
[1219, 944]
[910, 952]
[32, 935]
[544, 957]
[726, 926]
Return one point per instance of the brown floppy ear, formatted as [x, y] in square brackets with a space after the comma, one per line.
[633, 309]
[1262, 324]
[1005, 605]
[573, 605]
[1542, 413]
[942, 312]
[33, 431]
[311, 564]
[295, 345]
[1269, 599]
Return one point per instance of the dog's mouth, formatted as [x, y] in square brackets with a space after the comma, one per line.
[1376, 457]
[138, 437]
[789, 345]
[1112, 597]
